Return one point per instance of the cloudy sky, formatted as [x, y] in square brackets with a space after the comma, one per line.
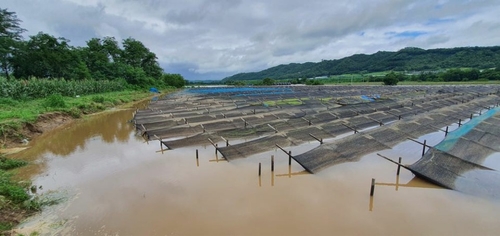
[212, 39]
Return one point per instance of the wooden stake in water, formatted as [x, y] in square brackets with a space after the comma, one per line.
[372, 189]
[446, 132]
[260, 168]
[225, 140]
[161, 146]
[272, 163]
[423, 147]
[399, 166]
[289, 158]
[197, 160]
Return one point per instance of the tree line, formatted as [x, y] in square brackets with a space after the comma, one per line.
[405, 60]
[44, 56]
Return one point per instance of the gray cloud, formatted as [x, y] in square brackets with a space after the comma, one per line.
[215, 38]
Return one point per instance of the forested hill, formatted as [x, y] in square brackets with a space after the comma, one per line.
[407, 59]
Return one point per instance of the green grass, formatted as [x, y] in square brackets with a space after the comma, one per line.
[8, 164]
[13, 195]
[5, 226]
[9, 189]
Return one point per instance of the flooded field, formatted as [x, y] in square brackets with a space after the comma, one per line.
[114, 182]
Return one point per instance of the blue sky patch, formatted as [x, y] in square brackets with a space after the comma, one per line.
[406, 34]
[410, 34]
[439, 21]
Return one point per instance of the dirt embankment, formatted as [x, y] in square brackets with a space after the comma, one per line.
[15, 140]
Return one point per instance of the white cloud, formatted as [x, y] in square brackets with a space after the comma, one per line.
[223, 37]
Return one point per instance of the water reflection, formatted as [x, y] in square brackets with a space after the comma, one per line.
[110, 127]
[370, 208]
[413, 183]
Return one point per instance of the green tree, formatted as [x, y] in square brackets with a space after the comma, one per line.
[391, 79]
[137, 55]
[101, 57]
[45, 56]
[268, 81]
[174, 80]
[10, 36]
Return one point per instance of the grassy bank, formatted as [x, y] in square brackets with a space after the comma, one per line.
[16, 114]
[15, 202]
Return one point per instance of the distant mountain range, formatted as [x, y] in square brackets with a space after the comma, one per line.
[407, 59]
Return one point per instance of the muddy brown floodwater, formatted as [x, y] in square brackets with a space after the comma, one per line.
[115, 183]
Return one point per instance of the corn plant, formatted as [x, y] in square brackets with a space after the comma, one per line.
[40, 88]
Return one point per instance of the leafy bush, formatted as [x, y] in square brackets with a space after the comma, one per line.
[268, 81]
[75, 112]
[55, 101]
[391, 79]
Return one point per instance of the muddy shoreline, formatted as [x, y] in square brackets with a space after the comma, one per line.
[33, 132]
[49, 121]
